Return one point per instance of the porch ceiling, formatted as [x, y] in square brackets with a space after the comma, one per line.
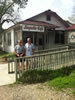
[41, 23]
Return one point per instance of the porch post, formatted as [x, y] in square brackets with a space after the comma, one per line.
[45, 44]
[44, 40]
[3, 46]
[12, 40]
[33, 38]
[54, 36]
[21, 36]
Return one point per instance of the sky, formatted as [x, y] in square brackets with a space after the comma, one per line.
[64, 8]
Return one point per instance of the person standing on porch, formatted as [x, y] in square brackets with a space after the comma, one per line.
[19, 52]
[29, 51]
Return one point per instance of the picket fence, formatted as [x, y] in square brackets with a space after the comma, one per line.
[45, 61]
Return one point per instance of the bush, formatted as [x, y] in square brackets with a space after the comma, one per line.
[37, 76]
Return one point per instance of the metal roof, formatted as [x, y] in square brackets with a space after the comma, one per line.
[71, 27]
[41, 23]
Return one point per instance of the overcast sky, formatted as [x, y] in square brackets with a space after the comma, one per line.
[64, 8]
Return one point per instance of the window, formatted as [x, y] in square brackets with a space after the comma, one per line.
[0, 40]
[59, 37]
[40, 41]
[48, 17]
[4, 37]
[9, 39]
[15, 38]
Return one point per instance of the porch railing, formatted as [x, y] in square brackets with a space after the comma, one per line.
[11, 61]
[59, 48]
[44, 61]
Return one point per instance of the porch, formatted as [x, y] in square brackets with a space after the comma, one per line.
[45, 40]
[43, 35]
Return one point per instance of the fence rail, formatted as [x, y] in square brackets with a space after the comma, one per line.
[53, 59]
[60, 48]
[44, 61]
[54, 49]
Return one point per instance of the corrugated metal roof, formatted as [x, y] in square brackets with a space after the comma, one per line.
[71, 27]
[29, 22]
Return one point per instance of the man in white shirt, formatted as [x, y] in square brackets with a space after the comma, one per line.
[29, 48]
[29, 51]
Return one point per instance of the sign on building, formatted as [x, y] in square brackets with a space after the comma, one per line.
[33, 28]
[71, 37]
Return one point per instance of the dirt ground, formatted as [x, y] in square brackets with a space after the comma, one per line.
[33, 92]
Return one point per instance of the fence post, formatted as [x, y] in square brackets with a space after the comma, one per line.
[8, 67]
[16, 76]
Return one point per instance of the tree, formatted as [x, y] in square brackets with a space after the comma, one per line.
[72, 18]
[9, 10]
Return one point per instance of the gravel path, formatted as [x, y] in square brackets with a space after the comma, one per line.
[33, 92]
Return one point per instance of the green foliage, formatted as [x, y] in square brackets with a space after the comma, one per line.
[61, 78]
[73, 92]
[21, 3]
[37, 76]
[64, 82]
[5, 54]
[9, 11]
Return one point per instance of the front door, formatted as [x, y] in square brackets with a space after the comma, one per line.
[36, 38]
[26, 35]
[59, 37]
[40, 41]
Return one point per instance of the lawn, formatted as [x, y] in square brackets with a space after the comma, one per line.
[2, 53]
[61, 78]
[64, 82]
[5, 54]
[64, 76]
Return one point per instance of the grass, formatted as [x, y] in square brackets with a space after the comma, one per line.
[61, 78]
[2, 53]
[36, 76]
[5, 54]
[73, 92]
[64, 82]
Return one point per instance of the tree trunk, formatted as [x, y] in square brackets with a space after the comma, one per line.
[1, 30]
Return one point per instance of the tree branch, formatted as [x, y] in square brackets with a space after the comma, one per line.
[7, 20]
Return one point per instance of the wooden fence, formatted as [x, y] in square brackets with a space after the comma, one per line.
[58, 48]
[11, 57]
[45, 61]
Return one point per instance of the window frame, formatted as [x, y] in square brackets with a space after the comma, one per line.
[48, 17]
[9, 39]
[1, 40]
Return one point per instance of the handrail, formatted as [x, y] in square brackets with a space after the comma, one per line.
[51, 60]
[52, 49]
[39, 51]
[61, 48]
[44, 54]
